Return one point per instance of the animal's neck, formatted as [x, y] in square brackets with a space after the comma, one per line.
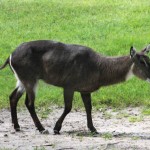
[115, 69]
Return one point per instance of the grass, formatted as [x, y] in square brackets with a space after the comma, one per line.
[109, 27]
[146, 111]
[134, 119]
[122, 115]
[107, 136]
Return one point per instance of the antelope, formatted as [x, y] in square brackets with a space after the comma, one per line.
[73, 68]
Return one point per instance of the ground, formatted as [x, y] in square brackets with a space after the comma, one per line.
[119, 129]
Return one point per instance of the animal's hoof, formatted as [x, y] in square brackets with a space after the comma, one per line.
[44, 132]
[17, 129]
[95, 133]
[56, 132]
[13, 131]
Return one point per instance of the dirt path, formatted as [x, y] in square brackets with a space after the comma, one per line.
[117, 131]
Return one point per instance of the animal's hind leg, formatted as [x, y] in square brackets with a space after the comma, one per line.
[14, 98]
[29, 102]
[68, 97]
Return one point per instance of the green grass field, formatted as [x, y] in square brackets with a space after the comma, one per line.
[108, 26]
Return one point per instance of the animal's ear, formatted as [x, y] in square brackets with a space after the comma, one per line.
[132, 51]
[146, 49]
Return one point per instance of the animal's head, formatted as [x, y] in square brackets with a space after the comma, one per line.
[141, 63]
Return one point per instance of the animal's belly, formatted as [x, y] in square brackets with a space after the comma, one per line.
[74, 85]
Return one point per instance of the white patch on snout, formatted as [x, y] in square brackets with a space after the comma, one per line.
[19, 84]
[130, 73]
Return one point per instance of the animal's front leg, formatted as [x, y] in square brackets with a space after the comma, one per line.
[86, 97]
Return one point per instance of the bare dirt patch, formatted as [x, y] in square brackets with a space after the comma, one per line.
[125, 129]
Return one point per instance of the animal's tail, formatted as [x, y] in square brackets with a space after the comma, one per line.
[5, 64]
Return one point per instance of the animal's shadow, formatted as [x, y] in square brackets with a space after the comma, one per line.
[109, 134]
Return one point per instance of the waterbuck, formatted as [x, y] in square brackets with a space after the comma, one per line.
[72, 67]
